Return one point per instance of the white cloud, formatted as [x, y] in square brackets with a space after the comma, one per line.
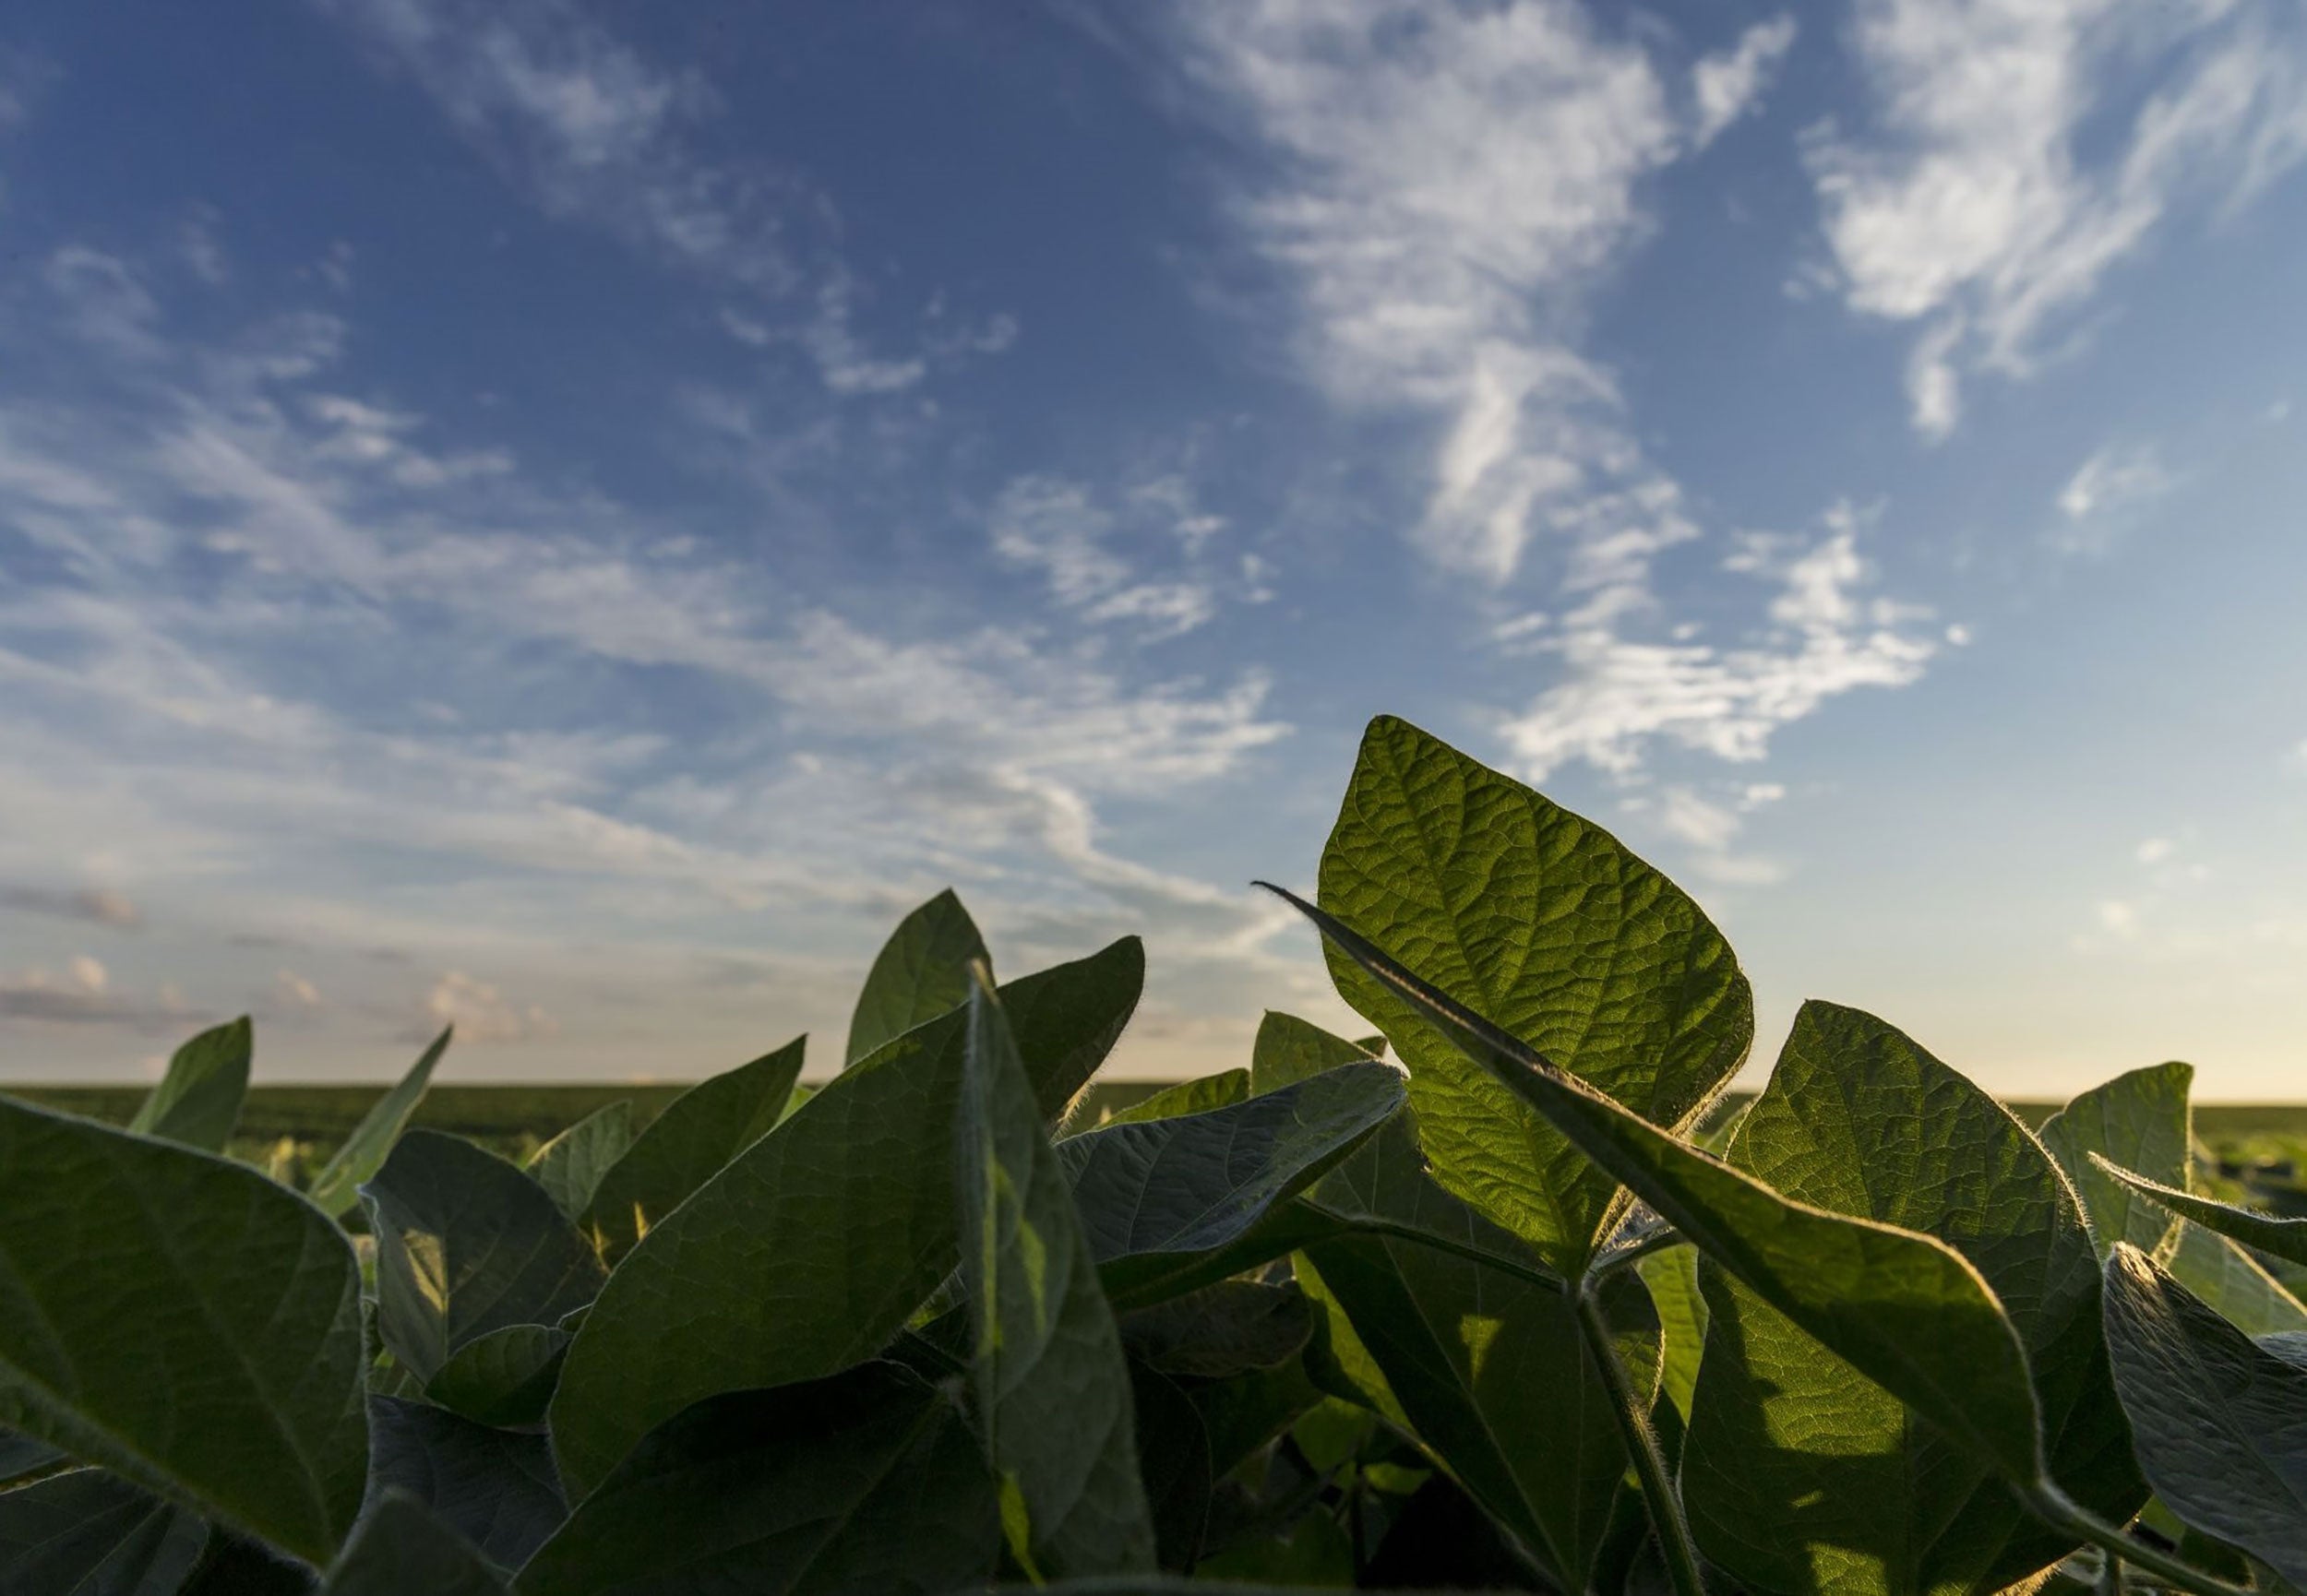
[1701, 824]
[2115, 479]
[2154, 850]
[1065, 530]
[1728, 85]
[2018, 149]
[97, 905]
[2120, 918]
[481, 1012]
[294, 991]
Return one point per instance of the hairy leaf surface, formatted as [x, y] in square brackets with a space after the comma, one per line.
[198, 1103]
[1219, 1091]
[809, 1252]
[87, 1532]
[1551, 928]
[466, 1245]
[571, 1165]
[685, 1146]
[922, 971]
[213, 1351]
[2139, 1120]
[2286, 1239]
[2221, 1423]
[2236, 1285]
[1289, 1049]
[338, 1185]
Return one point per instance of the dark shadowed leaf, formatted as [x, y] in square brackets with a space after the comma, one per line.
[1220, 1330]
[1488, 1367]
[1174, 1461]
[215, 1355]
[922, 971]
[1289, 1049]
[1155, 1193]
[22, 1455]
[402, 1550]
[87, 1532]
[1548, 926]
[235, 1566]
[338, 1185]
[569, 1167]
[504, 1377]
[1904, 1308]
[1052, 1391]
[198, 1102]
[466, 1245]
[2286, 1239]
[685, 1146]
[1799, 1473]
[495, 1488]
[2220, 1422]
[808, 1252]
[1187, 1097]
[866, 1481]
[2139, 1120]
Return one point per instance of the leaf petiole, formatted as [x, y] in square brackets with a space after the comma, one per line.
[1642, 1446]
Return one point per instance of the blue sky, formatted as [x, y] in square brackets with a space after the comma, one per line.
[571, 518]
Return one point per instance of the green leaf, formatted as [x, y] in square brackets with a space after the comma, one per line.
[1289, 1049]
[1905, 1309]
[215, 1355]
[198, 1102]
[2286, 1239]
[2230, 1280]
[1157, 1195]
[866, 1481]
[505, 1377]
[22, 1455]
[1801, 1474]
[402, 1549]
[466, 1245]
[571, 1165]
[922, 971]
[495, 1488]
[1187, 1097]
[86, 1532]
[1551, 929]
[338, 1185]
[1175, 1464]
[2139, 1120]
[1671, 1275]
[1222, 1330]
[1487, 1368]
[1053, 1396]
[2220, 1422]
[685, 1146]
[811, 1249]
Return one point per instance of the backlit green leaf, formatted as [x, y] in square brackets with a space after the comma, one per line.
[1187, 1097]
[337, 1188]
[2229, 1280]
[214, 1356]
[867, 1481]
[87, 1532]
[922, 971]
[466, 1245]
[2139, 1120]
[1548, 927]
[1671, 1274]
[2221, 1424]
[2286, 1239]
[1904, 1308]
[1052, 1392]
[503, 1377]
[401, 1550]
[198, 1102]
[810, 1250]
[1802, 1475]
[1289, 1049]
[685, 1146]
[495, 1488]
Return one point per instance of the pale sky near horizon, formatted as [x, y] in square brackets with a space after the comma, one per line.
[569, 517]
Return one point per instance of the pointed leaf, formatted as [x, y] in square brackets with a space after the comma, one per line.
[338, 1185]
[215, 1355]
[1799, 1473]
[1153, 1193]
[685, 1146]
[808, 1252]
[866, 1481]
[2233, 1283]
[466, 1245]
[569, 1167]
[198, 1102]
[1671, 1275]
[2139, 1120]
[921, 972]
[2286, 1239]
[1551, 929]
[1905, 1309]
[86, 1532]
[2220, 1422]
[505, 1377]
[403, 1549]
[494, 1488]
[1053, 1396]
[1289, 1049]
[1187, 1097]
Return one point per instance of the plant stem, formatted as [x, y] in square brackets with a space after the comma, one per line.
[1369, 1224]
[2109, 1573]
[1641, 1446]
[2056, 1506]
